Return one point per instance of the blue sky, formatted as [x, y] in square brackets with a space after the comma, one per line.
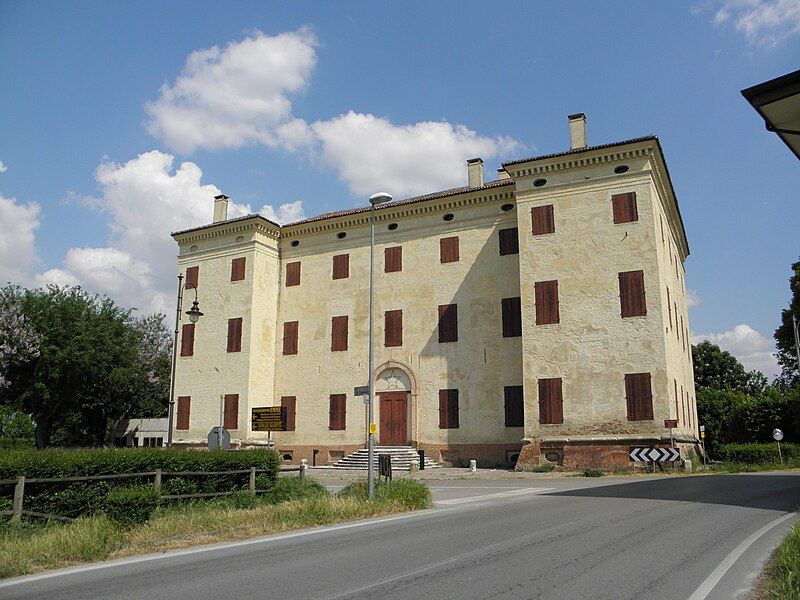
[119, 121]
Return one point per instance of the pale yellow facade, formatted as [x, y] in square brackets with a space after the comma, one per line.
[591, 348]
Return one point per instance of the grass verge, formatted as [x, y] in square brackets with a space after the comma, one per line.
[783, 571]
[30, 547]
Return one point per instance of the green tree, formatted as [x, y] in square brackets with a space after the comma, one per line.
[714, 368]
[784, 336]
[93, 364]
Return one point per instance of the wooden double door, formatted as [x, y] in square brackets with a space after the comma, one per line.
[394, 419]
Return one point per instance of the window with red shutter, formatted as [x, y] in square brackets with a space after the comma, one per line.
[631, 294]
[339, 333]
[639, 397]
[509, 241]
[546, 297]
[677, 412]
[292, 274]
[542, 220]
[290, 329]
[551, 403]
[337, 412]
[341, 266]
[192, 276]
[512, 317]
[231, 412]
[237, 269]
[393, 328]
[669, 308]
[448, 409]
[235, 335]
[448, 249]
[393, 259]
[184, 405]
[448, 323]
[290, 404]
[513, 406]
[187, 340]
[624, 206]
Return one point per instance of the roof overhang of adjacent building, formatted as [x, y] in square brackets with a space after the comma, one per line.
[778, 103]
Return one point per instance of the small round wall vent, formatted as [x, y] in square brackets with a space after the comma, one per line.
[240, 238]
[295, 243]
[506, 207]
[391, 226]
[448, 217]
[621, 169]
[341, 235]
[539, 182]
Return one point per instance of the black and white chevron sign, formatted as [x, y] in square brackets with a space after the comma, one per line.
[655, 454]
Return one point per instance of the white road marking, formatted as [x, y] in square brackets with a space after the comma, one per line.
[509, 494]
[717, 574]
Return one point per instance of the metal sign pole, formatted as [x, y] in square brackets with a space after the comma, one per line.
[221, 409]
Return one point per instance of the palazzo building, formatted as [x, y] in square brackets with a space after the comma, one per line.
[537, 317]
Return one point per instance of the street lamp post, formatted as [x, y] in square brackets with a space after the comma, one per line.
[194, 315]
[374, 200]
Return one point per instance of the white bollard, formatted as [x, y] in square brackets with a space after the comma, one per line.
[687, 465]
[473, 466]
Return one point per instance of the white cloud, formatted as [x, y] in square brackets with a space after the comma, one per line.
[18, 225]
[232, 96]
[286, 213]
[753, 350]
[692, 298]
[763, 22]
[3, 167]
[372, 154]
[145, 199]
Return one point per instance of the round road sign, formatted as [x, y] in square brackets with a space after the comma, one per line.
[777, 435]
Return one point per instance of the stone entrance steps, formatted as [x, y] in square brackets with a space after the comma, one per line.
[402, 457]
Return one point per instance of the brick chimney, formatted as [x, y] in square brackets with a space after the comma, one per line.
[220, 208]
[475, 172]
[577, 131]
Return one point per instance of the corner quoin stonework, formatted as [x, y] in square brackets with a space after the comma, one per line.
[590, 348]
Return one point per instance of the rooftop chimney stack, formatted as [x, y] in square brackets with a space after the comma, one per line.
[220, 208]
[475, 172]
[577, 131]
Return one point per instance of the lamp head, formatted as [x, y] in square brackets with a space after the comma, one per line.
[380, 198]
[194, 312]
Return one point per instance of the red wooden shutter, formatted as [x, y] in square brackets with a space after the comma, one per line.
[339, 333]
[546, 295]
[448, 249]
[292, 274]
[624, 207]
[512, 317]
[290, 329]
[187, 340]
[393, 259]
[542, 220]
[192, 276]
[337, 412]
[639, 397]
[237, 269]
[448, 323]
[393, 328]
[669, 308]
[514, 411]
[235, 335]
[675, 306]
[551, 403]
[184, 405]
[290, 404]
[509, 241]
[631, 294]
[341, 266]
[231, 413]
[448, 409]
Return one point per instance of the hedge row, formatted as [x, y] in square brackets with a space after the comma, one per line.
[84, 498]
[754, 454]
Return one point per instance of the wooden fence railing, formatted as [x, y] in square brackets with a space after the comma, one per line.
[21, 481]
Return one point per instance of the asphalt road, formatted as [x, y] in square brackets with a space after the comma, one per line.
[615, 538]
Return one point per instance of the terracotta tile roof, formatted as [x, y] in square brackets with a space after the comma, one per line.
[579, 150]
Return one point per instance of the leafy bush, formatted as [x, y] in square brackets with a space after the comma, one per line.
[592, 473]
[753, 454]
[131, 506]
[408, 493]
[544, 468]
[80, 498]
[287, 489]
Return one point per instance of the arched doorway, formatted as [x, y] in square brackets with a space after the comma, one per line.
[395, 388]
